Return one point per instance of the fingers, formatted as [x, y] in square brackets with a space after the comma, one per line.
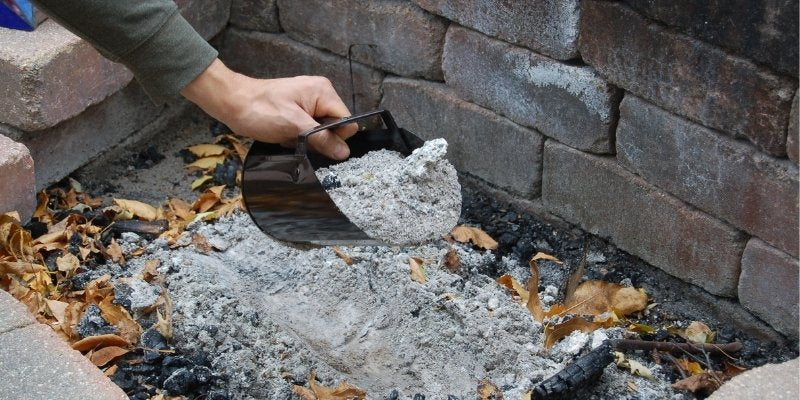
[326, 142]
[329, 104]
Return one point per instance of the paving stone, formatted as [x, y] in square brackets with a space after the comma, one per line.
[768, 286]
[268, 55]
[771, 381]
[569, 103]
[259, 15]
[13, 314]
[16, 179]
[207, 17]
[52, 75]
[792, 141]
[59, 150]
[765, 31]
[405, 39]
[548, 27]
[480, 142]
[605, 199]
[37, 364]
[686, 76]
[724, 177]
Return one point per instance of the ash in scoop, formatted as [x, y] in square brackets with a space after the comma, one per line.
[395, 199]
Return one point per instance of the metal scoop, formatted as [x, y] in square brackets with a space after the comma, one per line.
[287, 201]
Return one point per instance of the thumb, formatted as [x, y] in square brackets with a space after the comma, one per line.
[325, 142]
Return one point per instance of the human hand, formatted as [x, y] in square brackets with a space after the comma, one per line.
[272, 110]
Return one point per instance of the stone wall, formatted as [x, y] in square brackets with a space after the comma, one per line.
[669, 127]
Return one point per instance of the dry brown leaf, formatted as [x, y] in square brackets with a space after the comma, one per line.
[57, 309]
[517, 290]
[164, 321]
[452, 261]
[634, 366]
[115, 252]
[343, 391]
[105, 355]
[98, 341]
[304, 393]
[206, 149]
[418, 270]
[732, 370]
[208, 199]
[698, 332]
[598, 297]
[142, 210]
[468, 234]
[206, 163]
[554, 333]
[703, 384]
[41, 213]
[181, 208]
[201, 243]
[534, 304]
[489, 391]
[691, 367]
[149, 272]
[111, 370]
[339, 253]
[544, 256]
[128, 328]
[628, 300]
[197, 183]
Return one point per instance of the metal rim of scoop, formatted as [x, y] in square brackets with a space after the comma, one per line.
[285, 199]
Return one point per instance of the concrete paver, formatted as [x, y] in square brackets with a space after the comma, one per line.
[13, 314]
[771, 381]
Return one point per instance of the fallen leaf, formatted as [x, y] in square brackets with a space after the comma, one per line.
[339, 253]
[468, 234]
[528, 395]
[106, 355]
[182, 209]
[208, 199]
[41, 213]
[111, 370]
[149, 272]
[628, 300]
[200, 181]
[634, 366]
[534, 304]
[206, 163]
[343, 391]
[632, 387]
[517, 290]
[489, 391]
[115, 252]
[201, 243]
[554, 333]
[544, 256]
[142, 210]
[68, 263]
[702, 384]
[598, 297]
[97, 341]
[128, 328]
[205, 150]
[304, 393]
[417, 270]
[698, 332]
[691, 367]
[57, 308]
[451, 260]
[642, 328]
[732, 370]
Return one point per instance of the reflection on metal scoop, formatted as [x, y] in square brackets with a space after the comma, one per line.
[287, 201]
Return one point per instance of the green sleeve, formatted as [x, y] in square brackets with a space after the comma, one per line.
[150, 37]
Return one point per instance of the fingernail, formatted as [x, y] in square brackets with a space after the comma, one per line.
[342, 151]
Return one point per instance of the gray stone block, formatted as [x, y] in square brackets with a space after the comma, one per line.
[768, 286]
[547, 27]
[37, 364]
[603, 198]
[792, 141]
[59, 150]
[405, 39]
[480, 142]
[722, 176]
[686, 76]
[50, 75]
[569, 103]
[16, 179]
[269, 55]
[259, 15]
[770, 381]
[765, 31]
[207, 17]
[13, 314]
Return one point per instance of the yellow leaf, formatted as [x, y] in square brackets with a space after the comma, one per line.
[139, 209]
[544, 256]
[634, 366]
[417, 270]
[468, 234]
[205, 150]
[200, 181]
[206, 163]
[554, 333]
[642, 328]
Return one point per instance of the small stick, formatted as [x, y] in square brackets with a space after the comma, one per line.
[675, 361]
[714, 348]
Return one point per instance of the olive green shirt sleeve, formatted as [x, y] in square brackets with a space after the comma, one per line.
[150, 37]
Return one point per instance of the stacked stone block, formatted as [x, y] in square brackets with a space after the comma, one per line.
[669, 127]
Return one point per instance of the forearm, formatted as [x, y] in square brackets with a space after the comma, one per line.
[150, 37]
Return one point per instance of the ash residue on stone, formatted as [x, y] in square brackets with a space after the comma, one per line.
[92, 323]
[399, 200]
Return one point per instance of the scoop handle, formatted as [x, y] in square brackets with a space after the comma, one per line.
[302, 138]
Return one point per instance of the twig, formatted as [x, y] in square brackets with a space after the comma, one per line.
[713, 348]
[675, 361]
